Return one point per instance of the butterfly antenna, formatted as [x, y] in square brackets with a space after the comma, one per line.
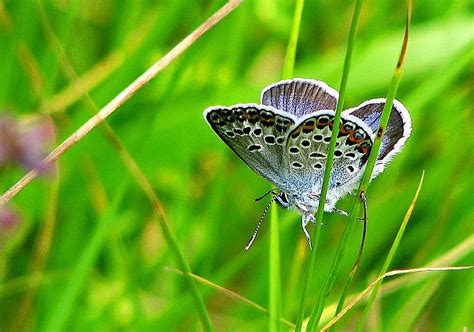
[265, 211]
[272, 191]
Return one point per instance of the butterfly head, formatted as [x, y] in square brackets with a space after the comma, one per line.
[305, 203]
[284, 200]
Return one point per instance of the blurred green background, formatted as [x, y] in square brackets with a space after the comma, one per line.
[207, 192]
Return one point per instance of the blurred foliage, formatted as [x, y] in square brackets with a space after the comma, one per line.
[207, 191]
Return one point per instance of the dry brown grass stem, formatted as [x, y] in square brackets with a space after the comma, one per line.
[389, 274]
[462, 250]
[233, 295]
[122, 97]
[80, 86]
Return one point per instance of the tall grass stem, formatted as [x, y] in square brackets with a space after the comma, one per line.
[289, 63]
[390, 256]
[275, 276]
[334, 269]
[391, 274]
[312, 324]
[111, 107]
[122, 97]
[64, 307]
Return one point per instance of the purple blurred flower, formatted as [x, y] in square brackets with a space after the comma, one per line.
[24, 142]
[9, 220]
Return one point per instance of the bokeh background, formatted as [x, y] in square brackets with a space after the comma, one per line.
[55, 52]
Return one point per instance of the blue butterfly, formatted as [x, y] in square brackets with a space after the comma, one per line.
[285, 139]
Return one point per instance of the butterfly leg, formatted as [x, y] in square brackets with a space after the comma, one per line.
[335, 209]
[330, 206]
[344, 213]
[364, 204]
[305, 220]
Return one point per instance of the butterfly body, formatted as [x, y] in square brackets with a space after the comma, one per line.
[286, 139]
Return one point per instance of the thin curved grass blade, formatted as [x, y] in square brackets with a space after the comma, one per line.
[328, 284]
[391, 274]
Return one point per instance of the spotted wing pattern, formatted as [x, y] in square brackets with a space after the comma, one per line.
[300, 96]
[256, 134]
[397, 131]
[308, 144]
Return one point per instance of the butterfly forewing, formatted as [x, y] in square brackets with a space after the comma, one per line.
[256, 134]
[300, 96]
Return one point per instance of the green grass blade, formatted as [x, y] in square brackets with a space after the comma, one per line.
[62, 37]
[234, 295]
[346, 288]
[289, 64]
[391, 274]
[411, 311]
[391, 253]
[274, 277]
[316, 313]
[392, 91]
[58, 317]
[365, 179]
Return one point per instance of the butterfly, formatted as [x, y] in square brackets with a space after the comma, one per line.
[286, 139]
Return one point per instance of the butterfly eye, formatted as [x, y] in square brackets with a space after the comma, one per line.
[284, 198]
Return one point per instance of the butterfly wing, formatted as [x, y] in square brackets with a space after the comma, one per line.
[256, 134]
[300, 96]
[396, 133]
[308, 145]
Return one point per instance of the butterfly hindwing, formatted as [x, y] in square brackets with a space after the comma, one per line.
[256, 134]
[300, 96]
[308, 144]
[397, 131]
